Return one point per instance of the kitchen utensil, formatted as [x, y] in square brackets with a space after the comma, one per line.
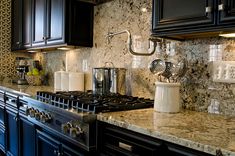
[182, 69]
[167, 72]
[107, 80]
[157, 66]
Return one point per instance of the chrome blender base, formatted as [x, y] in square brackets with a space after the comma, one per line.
[22, 82]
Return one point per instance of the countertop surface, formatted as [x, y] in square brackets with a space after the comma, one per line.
[25, 90]
[197, 130]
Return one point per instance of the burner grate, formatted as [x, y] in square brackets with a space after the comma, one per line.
[89, 102]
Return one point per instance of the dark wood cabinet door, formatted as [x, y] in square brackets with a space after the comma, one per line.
[16, 25]
[182, 15]
[46, 145]
[39, 23]
[80, 23]
[67, 151]
[2, 113]
[21, 24]
[226, 10]
[12, 132]
[55, 21]
[27, 137]
[26, 23]
[2, 139]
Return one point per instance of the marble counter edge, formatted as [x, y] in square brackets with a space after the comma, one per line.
[7, 89]
[166, 137]
[24, 90]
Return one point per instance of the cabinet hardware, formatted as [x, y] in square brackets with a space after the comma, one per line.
[16, 118]
[55, 152]
[125, 146]
[17, 43]
[208, 9]
[44, 38]
[221, 7]
[59, 154]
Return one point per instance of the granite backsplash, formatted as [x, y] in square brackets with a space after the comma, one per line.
[197, 89]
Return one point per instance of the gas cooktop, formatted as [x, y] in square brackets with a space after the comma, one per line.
[93, 103]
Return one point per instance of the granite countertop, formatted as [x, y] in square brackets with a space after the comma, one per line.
[197, 130]
[25, 90]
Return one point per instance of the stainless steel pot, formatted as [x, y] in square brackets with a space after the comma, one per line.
[107, 80]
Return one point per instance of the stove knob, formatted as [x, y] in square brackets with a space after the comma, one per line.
[37, 115]
[45, 117]
[65, 128]
[27, 111]
[75, 131]
[32, 112]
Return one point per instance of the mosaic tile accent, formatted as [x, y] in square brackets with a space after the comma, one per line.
[7, 59]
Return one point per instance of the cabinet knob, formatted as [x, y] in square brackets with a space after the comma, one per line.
[16, 118]
[17, 43]
[221, 7]
[208, 9]
[59, 154]
[44, 38]
[55, 152]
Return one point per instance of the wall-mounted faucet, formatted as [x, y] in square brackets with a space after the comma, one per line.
[110, 35]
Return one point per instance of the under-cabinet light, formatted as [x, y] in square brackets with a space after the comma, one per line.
[32, 51]
[64, 48]
[227, 35]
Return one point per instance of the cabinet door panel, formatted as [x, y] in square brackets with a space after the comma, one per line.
[46, 146]
[2, 113]
[67, 151]
[80, 29]
[12, 133]
[182, 14]
[27, 138]
[27, 23]
[55, 22]
[227, 14]
[16, 27]
[39, 22]
[2, 139]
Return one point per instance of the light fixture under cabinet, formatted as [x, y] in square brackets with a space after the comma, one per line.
[65, 48]
[228, 35]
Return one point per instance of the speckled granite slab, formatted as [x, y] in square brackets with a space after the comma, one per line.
[25, 90]
[201, 131]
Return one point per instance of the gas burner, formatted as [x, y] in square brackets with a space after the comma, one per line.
[93, 103]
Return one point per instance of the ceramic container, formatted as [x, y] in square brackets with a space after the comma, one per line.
[167, 97]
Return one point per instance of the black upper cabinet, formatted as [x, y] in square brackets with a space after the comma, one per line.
[226, 10]
[62, 22]
[39, 22]
[184, 18]
[21, 24]
[178, 14]
[16, 25]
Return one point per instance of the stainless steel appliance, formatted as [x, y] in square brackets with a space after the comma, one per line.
[22, 70]
[107, 80]
[73, 114]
